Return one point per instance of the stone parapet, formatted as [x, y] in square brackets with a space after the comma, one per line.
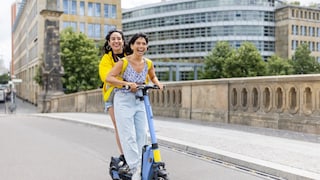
[279, 102]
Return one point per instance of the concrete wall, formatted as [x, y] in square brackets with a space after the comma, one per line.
[280, 102]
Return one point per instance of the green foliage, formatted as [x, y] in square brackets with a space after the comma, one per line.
[313, 5]
[296, 3]
[79, 57]
[302, 62]
[214, 63]
[225, 62]
[4, 78]
[100, 45]
[248, 61]
[279, 66]
[38, 76]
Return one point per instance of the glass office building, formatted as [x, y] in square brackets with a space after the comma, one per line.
[187, 30]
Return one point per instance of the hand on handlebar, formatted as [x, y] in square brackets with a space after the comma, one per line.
[160, 86]
[131, 86]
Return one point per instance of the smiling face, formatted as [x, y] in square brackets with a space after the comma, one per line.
[116, 42]
[140, 46]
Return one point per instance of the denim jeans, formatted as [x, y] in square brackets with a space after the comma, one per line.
[131, 121]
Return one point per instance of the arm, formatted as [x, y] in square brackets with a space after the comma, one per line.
[153, 77]
[113, 77]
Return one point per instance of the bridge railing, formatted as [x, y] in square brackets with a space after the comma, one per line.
[280, 102]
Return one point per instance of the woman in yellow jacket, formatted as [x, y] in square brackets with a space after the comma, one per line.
[114, 48]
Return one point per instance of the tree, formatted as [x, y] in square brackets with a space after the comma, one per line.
[80, 60]
[296, 3]
[38, 76]
[214, 63]
[246, 62]
[302, 62]
[278, 66]
[4, 78]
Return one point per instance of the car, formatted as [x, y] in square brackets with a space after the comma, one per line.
[2, 95]
[7, 92]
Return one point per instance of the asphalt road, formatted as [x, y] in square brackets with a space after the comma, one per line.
[37, 148]
[22, 107]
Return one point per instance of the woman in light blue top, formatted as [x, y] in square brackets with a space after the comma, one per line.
[129, 108]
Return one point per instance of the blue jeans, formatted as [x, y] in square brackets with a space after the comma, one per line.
[131, 121]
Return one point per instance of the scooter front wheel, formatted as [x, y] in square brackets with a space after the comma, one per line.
[162, 174]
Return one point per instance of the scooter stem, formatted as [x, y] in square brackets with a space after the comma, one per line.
[155, 147]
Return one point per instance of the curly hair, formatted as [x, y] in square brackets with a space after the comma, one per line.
[106, 46]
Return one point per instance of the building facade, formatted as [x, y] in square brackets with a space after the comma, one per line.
[186, 30]
[182, 32]
[296, 25]
[94, 18]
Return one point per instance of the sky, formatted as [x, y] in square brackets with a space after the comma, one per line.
[5, 25]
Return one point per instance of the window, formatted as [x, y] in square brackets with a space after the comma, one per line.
[90, 30]
[94, 30]
[294, 30]
[82, 8]
[82, 27]
[303, 30]
[67, 24]
[294, 44]
[313, 16]
[311, 46]
[94, 9]
[110, 11]
[90, 9]
[97, 30]
[70, 6]
[97, 11]
[305, 14]
[311, 30]
[108, 28]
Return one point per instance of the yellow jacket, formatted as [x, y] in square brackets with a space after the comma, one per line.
[105, 66]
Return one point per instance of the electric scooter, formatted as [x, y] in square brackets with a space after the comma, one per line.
[152, 168]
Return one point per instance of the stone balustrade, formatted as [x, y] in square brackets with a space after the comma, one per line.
[280, 102]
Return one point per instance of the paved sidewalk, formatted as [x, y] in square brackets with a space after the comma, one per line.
[285, 154]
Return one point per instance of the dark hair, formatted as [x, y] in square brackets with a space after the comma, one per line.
[133, 40]
[106, 46]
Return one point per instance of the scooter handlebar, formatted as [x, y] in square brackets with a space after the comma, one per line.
[144, 87]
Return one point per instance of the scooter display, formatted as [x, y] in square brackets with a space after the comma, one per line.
[152, 167]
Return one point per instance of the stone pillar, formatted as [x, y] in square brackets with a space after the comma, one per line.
[52, 70]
